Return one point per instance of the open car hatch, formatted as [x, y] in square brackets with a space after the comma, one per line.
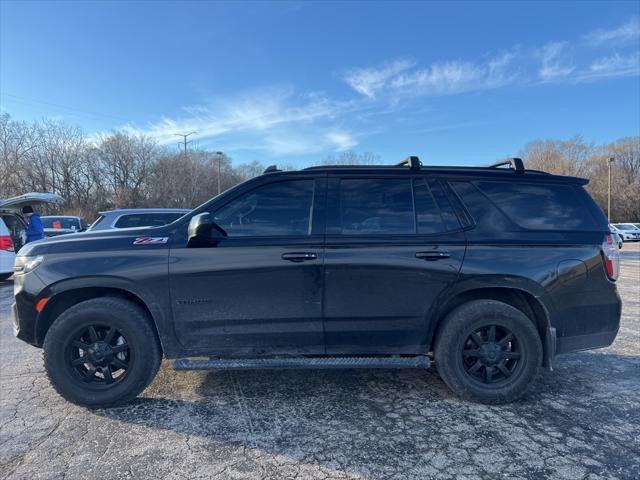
[33, 198]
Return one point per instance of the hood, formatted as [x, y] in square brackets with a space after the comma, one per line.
[99, 240]
[33, 198]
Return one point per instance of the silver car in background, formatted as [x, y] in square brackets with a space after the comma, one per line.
[137, 217]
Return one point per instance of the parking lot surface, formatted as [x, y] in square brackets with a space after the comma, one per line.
[580, 421]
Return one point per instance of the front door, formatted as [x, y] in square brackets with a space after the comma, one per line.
[259, 291]
[393, 245]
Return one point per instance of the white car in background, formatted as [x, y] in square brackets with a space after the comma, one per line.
[628, 231]
[13, 227]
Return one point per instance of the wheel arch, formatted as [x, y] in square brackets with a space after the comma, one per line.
[64, 299]
[522, 299]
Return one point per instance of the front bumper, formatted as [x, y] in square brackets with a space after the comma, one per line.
[26, 290]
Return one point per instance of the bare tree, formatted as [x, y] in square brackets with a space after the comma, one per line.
[352, 158]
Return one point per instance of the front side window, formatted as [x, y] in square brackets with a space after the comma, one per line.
[278, 209]
[375, 206]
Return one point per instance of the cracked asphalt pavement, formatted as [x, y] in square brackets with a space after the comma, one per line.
[580, 421]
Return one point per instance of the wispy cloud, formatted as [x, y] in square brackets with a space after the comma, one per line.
[456, 76]
[341, 140]
[368, 81]
[586, 59]
[553, 65]
[280, 121]
[616, 65]
[627, 32]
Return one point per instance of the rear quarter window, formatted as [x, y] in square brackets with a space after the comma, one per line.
[537, 206]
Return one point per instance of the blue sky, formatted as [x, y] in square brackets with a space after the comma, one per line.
[295, 82]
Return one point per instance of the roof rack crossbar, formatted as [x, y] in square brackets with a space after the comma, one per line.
[412, 162]
[515, 163]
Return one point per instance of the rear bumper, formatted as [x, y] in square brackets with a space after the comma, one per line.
[585, 342]
[593, 325]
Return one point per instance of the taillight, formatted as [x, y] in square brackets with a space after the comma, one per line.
[611, 257]
[6, 243]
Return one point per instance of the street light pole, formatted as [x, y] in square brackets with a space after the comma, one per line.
[610, 161]
[219, 155]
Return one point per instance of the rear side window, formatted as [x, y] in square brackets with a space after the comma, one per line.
[375, 206]
[372, 206]
[146, 220]
[540, 206]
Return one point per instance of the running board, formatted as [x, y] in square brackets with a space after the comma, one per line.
[302, 362]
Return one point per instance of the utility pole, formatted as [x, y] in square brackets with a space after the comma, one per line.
[184, 140]
[610, 161]
[219, 155]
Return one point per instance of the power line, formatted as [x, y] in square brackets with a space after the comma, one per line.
[65, 107]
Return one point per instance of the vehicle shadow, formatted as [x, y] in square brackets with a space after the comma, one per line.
[368, 422]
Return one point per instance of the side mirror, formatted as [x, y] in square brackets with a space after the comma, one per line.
[203, 232]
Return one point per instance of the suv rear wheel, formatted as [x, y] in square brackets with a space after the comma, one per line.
[488, 351]
[101, 352]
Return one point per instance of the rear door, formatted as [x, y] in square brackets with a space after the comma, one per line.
[392, 246]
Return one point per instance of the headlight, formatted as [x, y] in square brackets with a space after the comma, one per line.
[26, 264]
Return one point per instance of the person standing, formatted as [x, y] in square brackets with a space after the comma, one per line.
[35, 230]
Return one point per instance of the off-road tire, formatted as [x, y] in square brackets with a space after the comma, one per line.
[453, 338]
[140, 334]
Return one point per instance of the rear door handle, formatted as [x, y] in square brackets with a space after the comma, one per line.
[431, 256]
[299, 256]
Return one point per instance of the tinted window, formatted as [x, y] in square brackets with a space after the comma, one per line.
[448, 215]
[146, 219]
[277, 209]
[428, 218]
[540, 206]
[375, 206]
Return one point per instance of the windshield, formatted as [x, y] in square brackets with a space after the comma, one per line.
[60, 223]
[625, 226]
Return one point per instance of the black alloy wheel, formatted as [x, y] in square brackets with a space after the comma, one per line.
[491, 354]
[99, 355]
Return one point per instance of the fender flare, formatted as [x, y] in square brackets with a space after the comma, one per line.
[156, 307]
[447, 299]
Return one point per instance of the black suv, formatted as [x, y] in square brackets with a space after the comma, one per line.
[488, 271]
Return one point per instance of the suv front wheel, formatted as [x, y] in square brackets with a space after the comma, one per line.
[488, 351]
[101, 352]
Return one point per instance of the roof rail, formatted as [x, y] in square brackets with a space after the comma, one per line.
[515, 163]
[412, 162]
[271, 169]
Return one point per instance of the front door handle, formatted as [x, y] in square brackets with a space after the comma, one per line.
[299, 256]
[431, 256]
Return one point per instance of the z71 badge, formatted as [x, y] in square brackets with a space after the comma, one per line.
[150, 240]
